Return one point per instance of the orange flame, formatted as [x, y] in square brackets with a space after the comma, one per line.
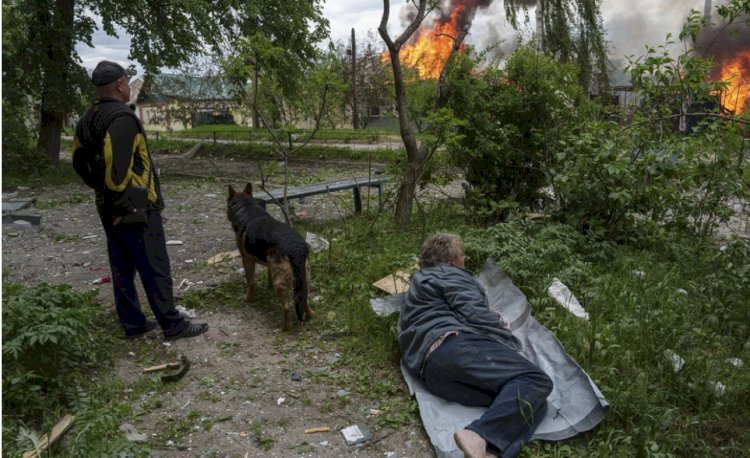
[736, 73]
[432, 47]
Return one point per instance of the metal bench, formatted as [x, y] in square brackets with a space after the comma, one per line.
[300, 192]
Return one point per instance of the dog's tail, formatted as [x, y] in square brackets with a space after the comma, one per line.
[299, 261]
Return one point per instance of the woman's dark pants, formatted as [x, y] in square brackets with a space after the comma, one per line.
[473, 370]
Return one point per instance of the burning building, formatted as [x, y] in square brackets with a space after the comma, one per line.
[728, 44]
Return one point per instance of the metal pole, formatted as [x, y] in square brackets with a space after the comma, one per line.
[355, 120]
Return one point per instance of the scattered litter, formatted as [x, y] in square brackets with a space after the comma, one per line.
[316, 242]
[186, 404]
[719, 388]
[170, 443]
[131, 433]
[280, 401]
[639, 273]
[13, 234]
[736, 362]
[174, 242]
[243, 434]
[223, 256]
[86, 264]
[102, 279]
[560, 293]
[296, 376]
[342, 393]
[189, 261]
[356, 434]
[318, 429]
[183, 283]
[179, 368]
[389, 454]
[131, 354]
[93, 236]
[187, 313]
[681, 291]
[323, 443]
[167, 344]
[675, 359]
[374, 412]
[301, 214]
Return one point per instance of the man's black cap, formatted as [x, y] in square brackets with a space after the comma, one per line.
[107, 71]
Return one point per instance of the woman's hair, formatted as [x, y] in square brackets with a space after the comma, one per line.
[440, 249]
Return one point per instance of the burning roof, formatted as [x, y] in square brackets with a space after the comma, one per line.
[729, 46]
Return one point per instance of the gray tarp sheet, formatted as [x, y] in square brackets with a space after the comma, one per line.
[575, 404]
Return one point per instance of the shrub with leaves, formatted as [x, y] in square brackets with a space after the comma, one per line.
[513, 119]
[48, 345]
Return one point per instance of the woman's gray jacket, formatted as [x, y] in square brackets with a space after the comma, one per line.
[442, 299]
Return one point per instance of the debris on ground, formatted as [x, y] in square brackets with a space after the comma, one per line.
[675, 359]
[396, 282]
[223, 257]
[356, 434]
[316, 242]
[131, 433]
[179, 368]
[185, 312]
[46, 441]
[563, 296]
[102, 279]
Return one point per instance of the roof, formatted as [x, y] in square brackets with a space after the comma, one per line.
[167, 86]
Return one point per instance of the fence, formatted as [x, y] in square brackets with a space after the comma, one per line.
[354, 139]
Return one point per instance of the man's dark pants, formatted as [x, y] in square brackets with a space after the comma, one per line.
[142, 248]
[473, 370]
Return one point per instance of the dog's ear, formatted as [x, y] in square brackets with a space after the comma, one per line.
[248, 189]
[232, 192]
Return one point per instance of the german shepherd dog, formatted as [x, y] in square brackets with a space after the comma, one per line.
[261, 238]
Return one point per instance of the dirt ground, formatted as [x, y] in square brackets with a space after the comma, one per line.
[252, 390]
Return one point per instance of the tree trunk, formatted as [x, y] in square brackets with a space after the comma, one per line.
[50, 130]
[256, 79]
[56, 74]
[540, 26]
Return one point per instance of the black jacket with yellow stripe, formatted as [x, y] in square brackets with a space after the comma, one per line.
[111, 155]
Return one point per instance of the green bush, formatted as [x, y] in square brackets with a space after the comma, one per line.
[48, 346]
[512, 120]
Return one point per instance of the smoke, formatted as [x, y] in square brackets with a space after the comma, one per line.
[467, 11]
[723, 42]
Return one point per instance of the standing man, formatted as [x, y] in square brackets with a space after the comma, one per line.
[110, 154]
[464, 352]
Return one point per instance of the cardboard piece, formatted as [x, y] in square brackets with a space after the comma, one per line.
[397, 282]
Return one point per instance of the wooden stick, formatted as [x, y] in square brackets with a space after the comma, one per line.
[57, 431]
[161, 367]
[319, 429]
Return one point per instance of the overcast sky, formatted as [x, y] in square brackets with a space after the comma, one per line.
[630, 25]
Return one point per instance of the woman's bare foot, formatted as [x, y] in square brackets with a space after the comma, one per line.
[471, 443]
